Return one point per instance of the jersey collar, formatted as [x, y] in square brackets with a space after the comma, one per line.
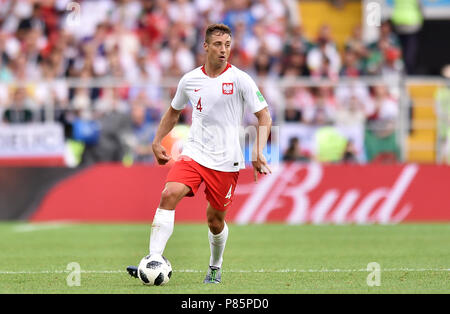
[226, 68]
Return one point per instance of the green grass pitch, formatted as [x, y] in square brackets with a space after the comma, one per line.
[259, 259]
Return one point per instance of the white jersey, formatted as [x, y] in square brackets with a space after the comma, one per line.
[218, 106]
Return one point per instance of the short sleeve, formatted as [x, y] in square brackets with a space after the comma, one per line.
[253, 99]
[180, 100]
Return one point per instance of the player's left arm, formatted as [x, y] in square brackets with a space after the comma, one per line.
[259, 162]
[255, 102]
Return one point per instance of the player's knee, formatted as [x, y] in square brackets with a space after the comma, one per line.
[170, 196]
[215, 224]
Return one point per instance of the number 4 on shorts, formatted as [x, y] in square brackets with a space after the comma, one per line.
[229, 192]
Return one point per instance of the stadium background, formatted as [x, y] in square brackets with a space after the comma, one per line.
[361, 109]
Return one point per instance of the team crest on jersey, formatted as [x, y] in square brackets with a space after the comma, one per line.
[227, 88]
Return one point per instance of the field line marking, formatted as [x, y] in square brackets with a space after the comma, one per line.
[4, 272]
[39, 226]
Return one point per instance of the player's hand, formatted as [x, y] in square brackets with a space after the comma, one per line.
[260, 166]
[160, 154]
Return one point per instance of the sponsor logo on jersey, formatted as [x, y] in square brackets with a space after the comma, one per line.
[260, 96]
[227, 88]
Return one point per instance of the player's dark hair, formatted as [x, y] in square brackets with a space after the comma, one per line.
[216, 28]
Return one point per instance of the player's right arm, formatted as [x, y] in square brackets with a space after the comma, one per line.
[168, 122]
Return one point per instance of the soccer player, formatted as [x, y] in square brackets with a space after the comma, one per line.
[219, 93]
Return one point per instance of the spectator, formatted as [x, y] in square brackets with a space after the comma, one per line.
[351, 113]
[145, 97]
[33, 22]
[110, 145]
[292, 114]
[182, 11]
[127, 13]
[50, 90]
[323, 110]
[245, 47]
[20, 109]
[393, 64]
[407, 18]
[294, 66]
[269, 10]
[354, 88]
[330, 145]
[380, 139]
[356, 44]
[350, 154]
[111, 99]
[153, 23]
[351, 66]
[384, 59]
[176, 58]
[238, 11]
[383, 112]
[292, 111]
[139, 141]
[350, 120]
[260, 40]
[324, 60]
[296, 41]
[294, 152]
[303, 98]
[263, 63]
[386, 34]
[126, 47]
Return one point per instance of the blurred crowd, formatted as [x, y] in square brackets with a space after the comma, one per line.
[147, 41]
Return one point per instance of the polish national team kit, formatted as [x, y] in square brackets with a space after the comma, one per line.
[212, 152]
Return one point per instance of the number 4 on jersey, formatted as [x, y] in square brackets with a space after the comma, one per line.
[199, 105]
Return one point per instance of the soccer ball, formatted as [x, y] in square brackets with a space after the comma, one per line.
[154, 270]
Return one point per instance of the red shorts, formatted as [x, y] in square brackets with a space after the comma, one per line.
[220, 185]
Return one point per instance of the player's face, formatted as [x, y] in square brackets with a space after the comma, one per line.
[218, 49]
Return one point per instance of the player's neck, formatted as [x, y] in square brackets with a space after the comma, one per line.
[214, 70]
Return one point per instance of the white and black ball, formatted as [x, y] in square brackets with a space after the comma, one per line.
[154, 270]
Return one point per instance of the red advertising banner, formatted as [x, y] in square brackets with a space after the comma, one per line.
[294, 193]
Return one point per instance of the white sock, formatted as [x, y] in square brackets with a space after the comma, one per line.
[162, 228]
[217, 244]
